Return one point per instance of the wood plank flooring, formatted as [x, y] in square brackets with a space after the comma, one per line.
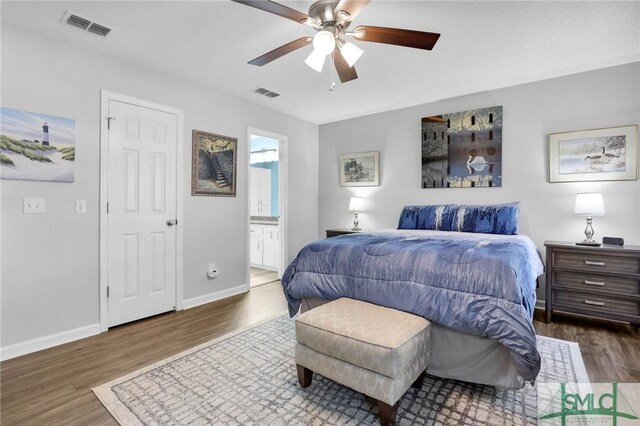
[262, 276]
[53, 386]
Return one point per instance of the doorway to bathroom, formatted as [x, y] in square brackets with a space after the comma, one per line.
[266, 205]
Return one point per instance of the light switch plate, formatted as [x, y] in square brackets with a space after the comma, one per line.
[32, 205]
[81, 206]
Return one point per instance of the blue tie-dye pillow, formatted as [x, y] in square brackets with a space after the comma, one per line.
[437, 217]
[490, 219]
[409, 217]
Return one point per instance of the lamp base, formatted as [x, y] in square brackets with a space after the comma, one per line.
[592, 243]
[356, 228]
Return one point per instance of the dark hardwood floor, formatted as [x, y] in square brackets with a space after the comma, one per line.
[54, 386]
[611, 351]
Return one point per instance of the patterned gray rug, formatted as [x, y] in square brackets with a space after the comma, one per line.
[249, 378]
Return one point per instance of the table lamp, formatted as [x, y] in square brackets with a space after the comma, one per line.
[589, 204]
[355, 205]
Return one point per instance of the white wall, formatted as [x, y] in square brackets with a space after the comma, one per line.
[50, 262]
[603, 98]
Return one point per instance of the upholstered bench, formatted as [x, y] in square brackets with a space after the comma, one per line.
[377, 351]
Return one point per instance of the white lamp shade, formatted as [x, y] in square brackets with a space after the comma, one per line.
[356, 204]
[316, 60]
[324, 42]
[351, 52]
[589, 204]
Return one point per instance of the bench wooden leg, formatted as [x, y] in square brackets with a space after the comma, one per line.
[305, 376]
[418, 383]
[387, 413]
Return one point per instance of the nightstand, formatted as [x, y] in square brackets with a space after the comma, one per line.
[601, 282]
[342, 231]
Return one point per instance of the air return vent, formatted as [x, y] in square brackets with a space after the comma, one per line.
[98, 29]
[266, 92]
[86, 24]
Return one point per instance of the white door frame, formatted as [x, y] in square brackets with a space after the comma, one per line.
[283, 196]
[105, 97]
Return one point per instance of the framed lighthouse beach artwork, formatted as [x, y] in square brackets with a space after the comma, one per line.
[35, 146]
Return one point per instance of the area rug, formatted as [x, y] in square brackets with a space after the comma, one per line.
[249, 378]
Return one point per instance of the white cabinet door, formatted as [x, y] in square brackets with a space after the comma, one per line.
[254, 186]
[270, 246]
[265, 191]
[260, 192]
[256, 244]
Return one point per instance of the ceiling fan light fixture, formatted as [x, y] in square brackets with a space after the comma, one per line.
[358, 33]
[315, 60]
[344, 15]
[351, 52]
[324, 42]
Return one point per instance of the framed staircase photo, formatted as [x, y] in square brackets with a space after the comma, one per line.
[214, 164]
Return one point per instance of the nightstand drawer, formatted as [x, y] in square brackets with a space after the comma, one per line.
[595, 303]
[596, 262]
[587, 282]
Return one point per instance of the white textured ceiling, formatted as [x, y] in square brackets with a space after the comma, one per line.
[484, 45]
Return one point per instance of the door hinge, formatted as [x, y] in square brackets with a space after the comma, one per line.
[176, 221]
[109, 122]
[107, 292]
[107, 207]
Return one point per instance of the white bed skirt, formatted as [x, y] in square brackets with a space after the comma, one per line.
[461, 356]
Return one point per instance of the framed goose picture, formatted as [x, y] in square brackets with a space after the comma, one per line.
[594, 155]
[360, 169]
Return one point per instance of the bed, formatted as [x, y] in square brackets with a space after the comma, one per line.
[477, 288]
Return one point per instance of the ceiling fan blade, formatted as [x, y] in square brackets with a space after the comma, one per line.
[281, 51]
[276, 9]
[351, 7]
[345, 72]
[399, 37]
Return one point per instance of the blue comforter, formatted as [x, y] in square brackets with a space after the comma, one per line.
[474, 283]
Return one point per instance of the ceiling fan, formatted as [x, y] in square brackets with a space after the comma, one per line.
[331, 19]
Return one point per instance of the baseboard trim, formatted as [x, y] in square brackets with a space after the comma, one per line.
[46, 342]
[212, 297]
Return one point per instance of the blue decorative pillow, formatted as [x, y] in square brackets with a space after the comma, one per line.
[409, 217]
[491, 219]
[437, 217]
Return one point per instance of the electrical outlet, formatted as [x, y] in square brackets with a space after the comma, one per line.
[81, 206]
[33, 205]
[212, 272]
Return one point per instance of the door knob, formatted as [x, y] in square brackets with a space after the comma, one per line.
[171, 222]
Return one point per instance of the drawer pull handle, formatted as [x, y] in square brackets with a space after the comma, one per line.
[591, 302]
[592, 263]
[599, 283]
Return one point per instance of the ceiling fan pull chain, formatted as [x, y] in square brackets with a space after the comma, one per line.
[332, 77]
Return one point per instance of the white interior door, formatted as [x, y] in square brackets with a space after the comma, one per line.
[141, 219]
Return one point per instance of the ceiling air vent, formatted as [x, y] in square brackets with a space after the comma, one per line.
[98, 29]
[84, 23]
[78, 22]
[266, 92]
